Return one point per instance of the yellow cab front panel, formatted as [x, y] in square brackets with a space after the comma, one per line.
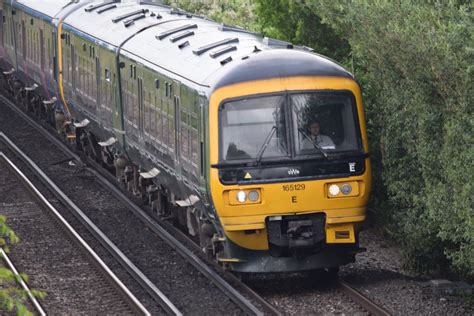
[299, 211]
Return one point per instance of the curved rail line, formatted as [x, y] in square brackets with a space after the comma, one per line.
[362, 300]
[194, 260]
[157, 295]
[131, 300]
[268, 306]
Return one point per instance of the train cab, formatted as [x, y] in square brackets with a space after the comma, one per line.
[290, 174]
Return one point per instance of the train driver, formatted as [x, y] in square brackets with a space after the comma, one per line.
[316, 138]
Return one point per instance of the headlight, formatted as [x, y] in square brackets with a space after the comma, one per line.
[334, 190]
[346, 189]
[343, 190]
[241, 196]
[254, 196]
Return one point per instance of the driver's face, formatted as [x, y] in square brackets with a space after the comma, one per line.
[314, 129]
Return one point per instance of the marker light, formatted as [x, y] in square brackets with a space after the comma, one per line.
[346, 189]
[254, 196]
[334, 190]
[241, 196]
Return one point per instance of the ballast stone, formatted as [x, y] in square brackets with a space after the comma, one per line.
[442, 286]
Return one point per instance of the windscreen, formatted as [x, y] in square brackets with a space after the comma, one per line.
[254, 127]
[324, 121]
[288, 125]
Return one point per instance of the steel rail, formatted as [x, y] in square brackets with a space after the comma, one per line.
[126, 263]
[98, 263]
[25, 287]
[193, 259]
[272, 310]
[363, 301]
[202, 267]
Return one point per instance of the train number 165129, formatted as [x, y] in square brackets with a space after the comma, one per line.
[293, 187]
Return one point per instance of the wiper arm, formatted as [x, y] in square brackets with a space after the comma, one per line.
[325, 155]
[265, 145]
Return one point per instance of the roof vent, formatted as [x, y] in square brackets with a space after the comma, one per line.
[223, 51]
[276, 43]
[183, 45]
[93, 7]
[165, 34]
[132, 20]
[104, 9]
[206, 48]
[226, 61]
[128, 15]
[181, 36]
[175, 11]
[230, 28]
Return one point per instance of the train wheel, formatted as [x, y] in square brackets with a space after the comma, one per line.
[331, 274]
[18, 91]
[324, 275]
[206, 231]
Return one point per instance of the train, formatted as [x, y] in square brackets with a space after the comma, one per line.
[255, 146]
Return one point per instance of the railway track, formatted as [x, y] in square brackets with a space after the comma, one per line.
[135, 306]
[367, 304]
[247, 303]
[349, 291]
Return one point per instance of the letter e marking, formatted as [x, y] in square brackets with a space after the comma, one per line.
[352, 166]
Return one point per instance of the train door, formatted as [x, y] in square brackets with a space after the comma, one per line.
[22, 38]
[130, 99]
[176, 95]
[14, 37]
[98, 73]
[8, 39]
[42, 50]
[54, 60]
[141, 107]
[73, 73]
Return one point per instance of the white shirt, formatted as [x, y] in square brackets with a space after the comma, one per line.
[321, 141]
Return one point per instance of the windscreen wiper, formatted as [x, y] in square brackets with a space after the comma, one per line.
[325, 155]
[265, 145]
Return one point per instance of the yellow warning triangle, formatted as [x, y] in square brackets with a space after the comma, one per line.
[248, 176]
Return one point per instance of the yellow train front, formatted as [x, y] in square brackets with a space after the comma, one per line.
[290, 174]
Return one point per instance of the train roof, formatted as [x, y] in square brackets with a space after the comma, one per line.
[46, 8]
[189, 47]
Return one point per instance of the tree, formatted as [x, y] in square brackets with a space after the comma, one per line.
[292, 21]
[12, 297]
[416, 59]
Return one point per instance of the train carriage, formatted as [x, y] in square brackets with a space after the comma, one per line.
[256, 146]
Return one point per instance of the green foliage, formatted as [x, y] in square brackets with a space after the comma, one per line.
[417, 60]
[12, 297]
[7, 235]
[231, 12]
[292, 21]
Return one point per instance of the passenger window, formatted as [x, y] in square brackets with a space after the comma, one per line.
[107, 75]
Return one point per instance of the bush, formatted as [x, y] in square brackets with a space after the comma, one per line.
[231, 12]
[416, 58]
